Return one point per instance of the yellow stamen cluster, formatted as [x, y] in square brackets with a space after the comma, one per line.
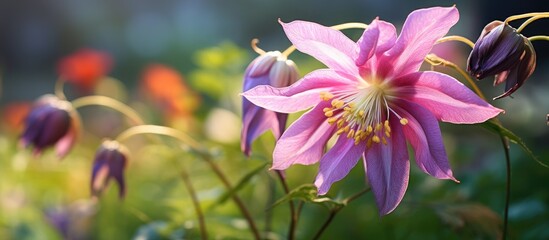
[356, 123]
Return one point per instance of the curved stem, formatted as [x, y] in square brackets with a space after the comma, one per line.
[334, 211]
[538, 38]
[505, 144]
[456, 38]
[530, 20]
[166, 131]
[293, 214]
[342, 26]
[59, 88]
[436, 60]
[196, 204]
[108, 102]
[526, 15]
[256, 49]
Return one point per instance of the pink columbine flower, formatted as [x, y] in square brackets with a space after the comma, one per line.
[274, 69]
[374, 99]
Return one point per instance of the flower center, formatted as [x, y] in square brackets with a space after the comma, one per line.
[361, 113]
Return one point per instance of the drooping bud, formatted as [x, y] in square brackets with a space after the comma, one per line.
[110, 162]
[505, 53]
[50, 122]
[270, 68]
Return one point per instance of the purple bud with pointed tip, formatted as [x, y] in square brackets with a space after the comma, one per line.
[110, 162]
[50, 122]
[505, 53]
[271, 68]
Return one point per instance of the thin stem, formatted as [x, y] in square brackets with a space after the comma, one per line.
[456, 38]
[334, 211]
[196, 203]
[505, 144]
[526, 15]
[258, 50]
[538, 38]
[342, 26]
[108, 102]
[161, 130]
[293, 214]
[236, 199]
[530, 20]
[59, 88]
[436, 60]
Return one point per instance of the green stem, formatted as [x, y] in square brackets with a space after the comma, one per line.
[59, 88]
[162, 130]
[334, 211]
[506, 146]
[526, 15]
[293, 214]
[108, 102]
[456, 38]
[538, 38]
[196, 204]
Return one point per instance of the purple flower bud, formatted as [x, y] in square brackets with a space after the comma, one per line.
[505, 53]
[110, 162]
[271, 68]
[50, 122]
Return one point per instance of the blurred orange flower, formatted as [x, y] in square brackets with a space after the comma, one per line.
[14, 114]
[166, 87]
[85, 67]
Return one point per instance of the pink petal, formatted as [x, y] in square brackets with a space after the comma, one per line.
[303, 142]
[447, 98]
[64, 145]
[423, 133]
[388, 168]
[421, 30]
[378, 38]
[301, 95]
[327, 45]
[338, 162]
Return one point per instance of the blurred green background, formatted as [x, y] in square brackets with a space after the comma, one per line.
[207, 43]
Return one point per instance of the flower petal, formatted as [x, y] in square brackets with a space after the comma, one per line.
[447, 98]
[423, 133]
[388, 168]
[255, 122]
[421, 30]
[338, 162]
[367, 43]
[327, 45]
[301, 95]
[303, 142]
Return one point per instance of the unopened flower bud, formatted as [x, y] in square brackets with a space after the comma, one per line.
[110, 162]
[505, 53]
[50, 122]
[271, 68]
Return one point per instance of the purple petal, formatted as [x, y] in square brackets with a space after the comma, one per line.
[256, 121]
[447, 98]
[421, 30]
[327, 45]
[423, 133]
[303, 94]
[367, 43]
[303, 142]
[338, 162]
[64, 145]
[388, 168]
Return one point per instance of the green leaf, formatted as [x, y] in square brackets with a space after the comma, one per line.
[240, 184]
[308, 194]
[493, 126]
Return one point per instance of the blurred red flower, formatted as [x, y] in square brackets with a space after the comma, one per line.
[166, 87]
[85, 67]
[13, 115]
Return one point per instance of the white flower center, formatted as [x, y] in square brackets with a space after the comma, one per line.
[362, 113]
